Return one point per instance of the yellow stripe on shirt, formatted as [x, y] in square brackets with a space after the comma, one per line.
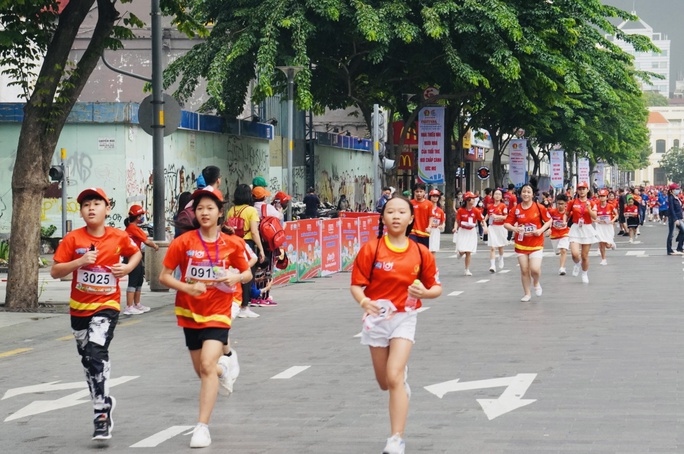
[199, 318]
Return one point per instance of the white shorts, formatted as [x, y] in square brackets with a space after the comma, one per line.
[401, 325]
[533, 255]
[560, 243]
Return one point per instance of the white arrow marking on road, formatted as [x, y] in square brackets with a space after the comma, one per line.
[160, 437]
[289, 373]
[43, 406]
[509, 400]
[503, 271]
[455, 293]
[482, 281]
[43, 387]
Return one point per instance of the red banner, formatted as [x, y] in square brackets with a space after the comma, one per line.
[289, 274]
[309, 248]
[350, 241]
[330, 246]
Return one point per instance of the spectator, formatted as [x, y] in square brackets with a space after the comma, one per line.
[386, 194]
[343, 203]
[312, 203]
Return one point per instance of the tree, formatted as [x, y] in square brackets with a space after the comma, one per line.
[40, 34]
[652, 98]
[672, 163]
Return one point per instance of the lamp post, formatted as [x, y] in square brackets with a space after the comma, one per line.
[158, 126]
[290, 72]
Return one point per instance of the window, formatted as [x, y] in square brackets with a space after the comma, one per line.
[655, 65]
[663, 53]
[659, 177]
[675, 144]
[660, 146]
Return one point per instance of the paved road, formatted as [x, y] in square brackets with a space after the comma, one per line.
[601, 363]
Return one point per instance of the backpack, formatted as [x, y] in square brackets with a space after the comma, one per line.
[184, 220]
[236, 223]
[271, 231]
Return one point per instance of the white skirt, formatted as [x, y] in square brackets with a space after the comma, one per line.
[560, 243]
[498, 236]
[585, 234]
[466, 240]
[435, 238]
[605, 233]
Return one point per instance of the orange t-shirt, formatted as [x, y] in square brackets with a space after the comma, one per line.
[605, 213]
[559, 225]
[136, 233]
[386, 271]
[497, 209]
[468, 219]
[437, 217]
[532, 218]
[578, 210]
[197, 262]
[422, 211]
[93, 287]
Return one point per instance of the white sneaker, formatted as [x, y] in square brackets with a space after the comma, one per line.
[233, 365]
[604, 262]
[525, 298]
[538, 290]
[576, 269]
[561, 271]
[468, 273]
[585, 278]
[200, 437]
[492, 269]
[247, 313]
[631, 240]
[234, 310]
[226, 378]
[142, 308]
[395, 445]
[131, 310]
[501, 262]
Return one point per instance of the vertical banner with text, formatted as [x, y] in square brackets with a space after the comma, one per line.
[601, 175]
[289, 274]
[517, 167]
[350, 242]
[309, 244]
[330, 246]
[431, 145]
[557, 168]
[583, 171]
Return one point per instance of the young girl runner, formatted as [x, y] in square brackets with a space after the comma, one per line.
[528, 221]
[389, 293]
[632, 217]
[467, 218]
[136, 216]
[560, 230]
[582, 232]
[437, 219]
[606, 215]
[497, 236]
[204, 297]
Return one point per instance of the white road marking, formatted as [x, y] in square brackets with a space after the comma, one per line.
[503, 271]
[160, 437]
[455, 293]
[289, 373]
[633, 253]
[482, 281]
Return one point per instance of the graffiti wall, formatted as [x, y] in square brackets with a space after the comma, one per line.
[341, 171]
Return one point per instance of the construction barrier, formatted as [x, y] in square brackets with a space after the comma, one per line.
[320, 247]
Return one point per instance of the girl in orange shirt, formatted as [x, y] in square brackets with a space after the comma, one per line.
[528, 221]
[136, 216]
[582, 232]
[497, 236]
[390, 277]
[606, 215]
[437, 219]
[467, 218]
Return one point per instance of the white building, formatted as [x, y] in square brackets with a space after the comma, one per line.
[655, 62]
[666, 125]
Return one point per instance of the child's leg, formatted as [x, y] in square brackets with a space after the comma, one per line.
[467, 260]
[205, 363]
[563, 256]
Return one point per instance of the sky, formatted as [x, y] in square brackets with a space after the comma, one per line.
[665, 16]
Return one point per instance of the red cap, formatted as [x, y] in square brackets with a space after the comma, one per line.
[673, 186]
[136, 210]
[435, 192]
[282, 197]
[96, 192]
[210, 191]
[603, 192]
[468, 195]
[582, 184]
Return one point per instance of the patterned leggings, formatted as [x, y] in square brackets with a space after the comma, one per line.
[93, 335]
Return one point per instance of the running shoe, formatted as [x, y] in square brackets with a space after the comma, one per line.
[247, 313]
[255, 302]
[104, 422]
[395, 445]
[561, 271]
[538, 290]
[267, 302]
[492, 269]
[131, 310]
[226, 378]
[501, 262]
[200, 436]
[142, 308]
[604, 262]
[468, 273]
[576, 269]
[585, 278]
[526, 298]
[233, 365]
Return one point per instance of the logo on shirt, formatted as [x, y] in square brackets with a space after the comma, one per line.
[385, 266]
[196, 254]
[81, 250]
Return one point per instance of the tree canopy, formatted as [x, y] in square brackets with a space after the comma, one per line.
[672, 163]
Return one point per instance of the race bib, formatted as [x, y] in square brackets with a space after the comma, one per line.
[204, 272]
[529, 228]
[96, 280]
[558, 224]
[604, 218]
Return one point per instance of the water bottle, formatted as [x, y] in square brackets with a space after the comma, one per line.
[220, 273]
[411, 301]
[387, 310]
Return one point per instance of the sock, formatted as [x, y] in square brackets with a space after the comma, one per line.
[585, 273]
[201, 424]
[491, 263]
[229, 354]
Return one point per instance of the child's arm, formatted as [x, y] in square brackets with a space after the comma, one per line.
[59, 270]
[122, 269]
[166, 278]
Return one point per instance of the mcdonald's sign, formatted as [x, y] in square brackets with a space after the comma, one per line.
[411, 136]
[406, 160]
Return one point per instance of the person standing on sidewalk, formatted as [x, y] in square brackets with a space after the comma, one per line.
[528, 221]
[674, 218]
[92, 254]
[204, 299]
[389, 296]
[136, 216]
[582, 233]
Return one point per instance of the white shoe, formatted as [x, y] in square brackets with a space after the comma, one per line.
[226, 378]
[200, 437]
[538, 290]
[142, 308]
[233, 365]
[492, 269]
[501, 262]
[561, 271]
[395, 445]
[631, 240]
[585, 278]
[525, 298]
[468, 273]
[131, 310]
[247, 313]
[234, 310]
[576, 269]
[604, 262]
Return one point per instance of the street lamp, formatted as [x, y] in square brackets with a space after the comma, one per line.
[290, 72]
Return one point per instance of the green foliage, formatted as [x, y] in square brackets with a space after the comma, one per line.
[47, 232]
[654, 99]
[4, 251]
[672, 163]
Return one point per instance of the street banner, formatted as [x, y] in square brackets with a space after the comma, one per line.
[330, 246]
[289, 274]
[601, 175]
[431, 145]
[557, 168]
[517, 167]
[583, 171]
[309, 248]
[350, 241]
[368, 229]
